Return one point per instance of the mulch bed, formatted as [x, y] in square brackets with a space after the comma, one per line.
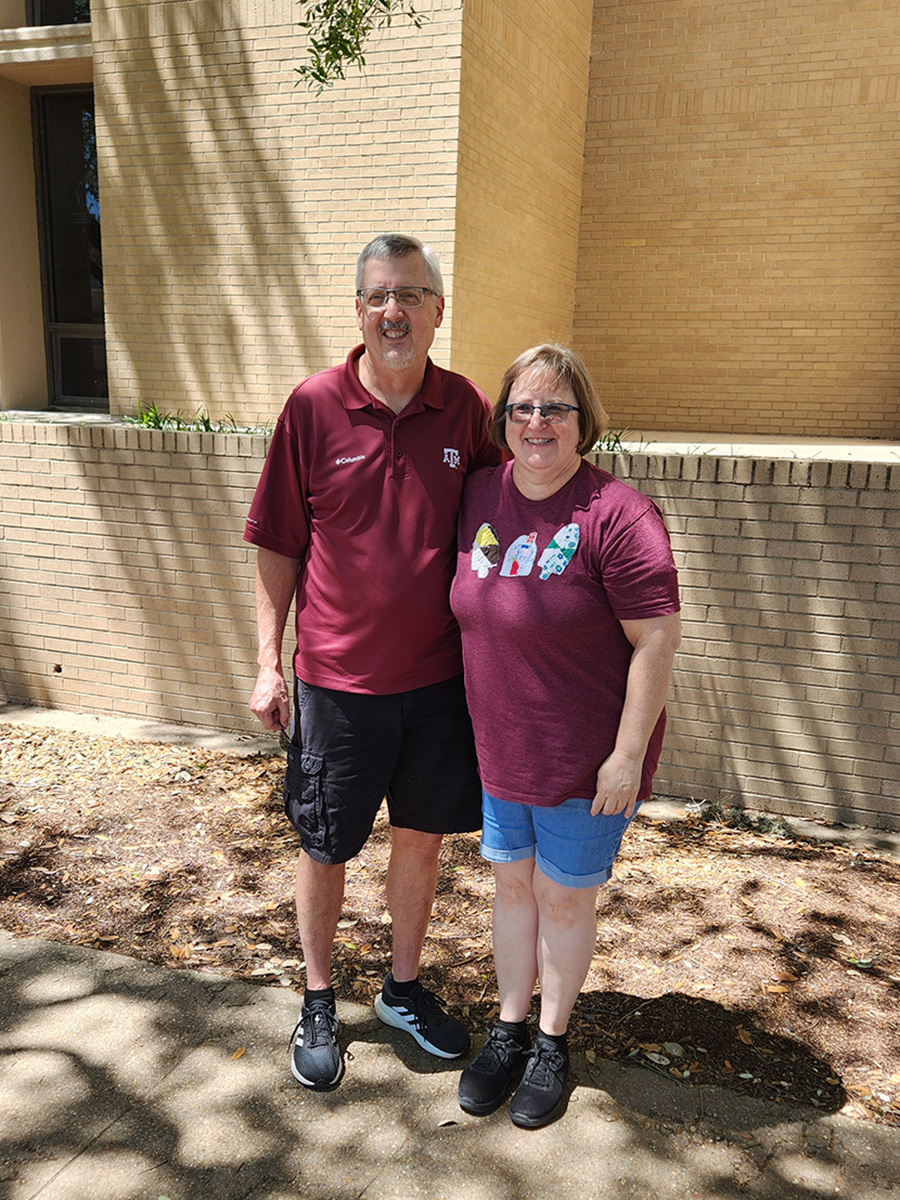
[726, 956]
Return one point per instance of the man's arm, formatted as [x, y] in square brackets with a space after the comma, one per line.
[655, 641]
[276, 583]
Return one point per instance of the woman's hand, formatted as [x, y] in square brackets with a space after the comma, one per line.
[618, 781]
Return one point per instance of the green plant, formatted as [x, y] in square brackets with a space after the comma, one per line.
[612, 440]
[201, 422]
[338, 31]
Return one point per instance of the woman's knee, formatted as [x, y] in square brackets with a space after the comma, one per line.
[514, 882]
[564, 906]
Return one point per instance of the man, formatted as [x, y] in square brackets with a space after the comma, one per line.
[354, 519]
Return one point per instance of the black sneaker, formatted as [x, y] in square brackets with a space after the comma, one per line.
[421, 1015]
[315, 1055]
[484, 1082]
[540, 1093]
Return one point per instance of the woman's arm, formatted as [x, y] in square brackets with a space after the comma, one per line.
[655, 641]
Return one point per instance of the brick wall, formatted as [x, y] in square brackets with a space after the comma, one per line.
[741, 217]
[125, 588]
[786, 696]
[124, 584]
[235, 203]
[523, 99]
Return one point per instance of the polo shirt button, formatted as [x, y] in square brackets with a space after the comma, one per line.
[399, 454]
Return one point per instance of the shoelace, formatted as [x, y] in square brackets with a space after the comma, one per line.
[546, 1062]
[497, 1051]
[423, 1003]
[321, 1021]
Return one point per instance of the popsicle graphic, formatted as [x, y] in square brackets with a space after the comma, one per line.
[559, 553]
[485, 550]
[520, 556]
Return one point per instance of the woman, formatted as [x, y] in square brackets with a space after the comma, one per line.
[567, 597]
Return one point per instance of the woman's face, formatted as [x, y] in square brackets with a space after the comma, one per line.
[538, 446]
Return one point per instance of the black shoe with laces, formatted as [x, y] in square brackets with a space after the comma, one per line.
[540, 1093]
[484, 1082]
[315, 1055]
[421, 1015]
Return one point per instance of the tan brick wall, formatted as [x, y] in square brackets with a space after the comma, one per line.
[235, 203]
[23, 372]
[785, 695]
[125, 588]
[741, 217]
[523, 100]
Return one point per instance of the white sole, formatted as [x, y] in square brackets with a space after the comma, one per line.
[391, 1017]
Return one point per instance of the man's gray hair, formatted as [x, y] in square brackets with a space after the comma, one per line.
[398, 245]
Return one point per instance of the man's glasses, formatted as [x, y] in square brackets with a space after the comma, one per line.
[406, 297]
[553, 414]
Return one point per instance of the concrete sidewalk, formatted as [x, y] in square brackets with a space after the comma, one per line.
[124, 1081]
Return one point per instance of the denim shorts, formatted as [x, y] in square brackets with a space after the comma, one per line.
[569, 845]
[350, 751]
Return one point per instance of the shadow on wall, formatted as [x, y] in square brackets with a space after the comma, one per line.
[206, 260]
[134, 595]
[786, 689]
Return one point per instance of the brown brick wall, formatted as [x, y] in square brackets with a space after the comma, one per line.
[122, 564]
[741, 218]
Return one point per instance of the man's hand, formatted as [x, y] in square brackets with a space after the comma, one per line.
[618, 782]
[271, 700]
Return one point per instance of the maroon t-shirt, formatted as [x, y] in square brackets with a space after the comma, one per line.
[367, 501]
[540, 589]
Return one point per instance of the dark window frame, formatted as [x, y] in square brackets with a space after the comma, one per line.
[47, 12]
[56, 332]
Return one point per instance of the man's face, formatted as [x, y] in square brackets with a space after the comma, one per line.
[398, 338]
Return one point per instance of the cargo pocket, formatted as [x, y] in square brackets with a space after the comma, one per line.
[304, 796]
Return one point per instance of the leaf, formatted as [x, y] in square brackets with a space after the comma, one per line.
[744, 1036]
[776, 988]
[242, 1050]
[786, 977]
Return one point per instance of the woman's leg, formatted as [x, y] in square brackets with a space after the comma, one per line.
[567, 934]
[515, 937]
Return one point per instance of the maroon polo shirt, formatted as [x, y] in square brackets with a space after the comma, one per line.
[367, 501]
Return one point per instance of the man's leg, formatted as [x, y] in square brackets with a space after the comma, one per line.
[319, 897]
[315, 1054]
[410, 886]
[403, 1002]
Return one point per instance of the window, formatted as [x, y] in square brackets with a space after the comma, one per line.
[69, 209]
[58, 12]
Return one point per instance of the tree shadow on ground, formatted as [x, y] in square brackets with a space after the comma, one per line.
[125, 1081]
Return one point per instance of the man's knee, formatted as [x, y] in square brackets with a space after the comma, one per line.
[414, 844]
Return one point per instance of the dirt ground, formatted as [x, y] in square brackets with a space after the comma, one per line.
[736, 957]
